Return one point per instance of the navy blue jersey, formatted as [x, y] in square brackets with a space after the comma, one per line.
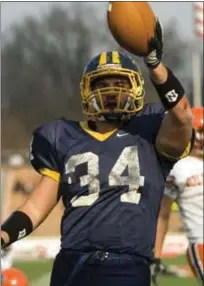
[111, 184]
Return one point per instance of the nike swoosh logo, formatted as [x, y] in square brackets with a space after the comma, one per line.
[121, 135]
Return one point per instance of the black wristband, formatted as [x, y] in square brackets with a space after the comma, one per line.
[171, 91]
[18, 225]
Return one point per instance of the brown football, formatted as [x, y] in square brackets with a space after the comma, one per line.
[132, 24]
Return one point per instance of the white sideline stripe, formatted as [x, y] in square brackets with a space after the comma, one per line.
[42, 281]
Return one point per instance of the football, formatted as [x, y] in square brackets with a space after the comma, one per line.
[132, 24]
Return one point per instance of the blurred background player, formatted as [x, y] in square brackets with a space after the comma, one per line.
[6, 258]
[185, 186]
[100, 168]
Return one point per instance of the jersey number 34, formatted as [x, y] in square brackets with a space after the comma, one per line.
[128, 159]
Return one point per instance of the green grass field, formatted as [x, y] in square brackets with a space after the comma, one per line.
[38, 273]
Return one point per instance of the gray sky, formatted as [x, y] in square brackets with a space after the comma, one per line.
[182, 11]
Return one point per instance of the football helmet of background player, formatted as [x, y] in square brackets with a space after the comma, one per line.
[198, 124]
[129, 100]
[13, 276]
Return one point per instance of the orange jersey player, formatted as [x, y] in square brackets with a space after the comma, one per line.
[185, 186]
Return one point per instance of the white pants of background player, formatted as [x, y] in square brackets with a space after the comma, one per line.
[6, 258]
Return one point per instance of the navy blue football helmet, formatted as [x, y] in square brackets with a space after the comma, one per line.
[109, 64]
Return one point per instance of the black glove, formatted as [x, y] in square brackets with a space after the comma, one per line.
[157, 267]
[155, 48]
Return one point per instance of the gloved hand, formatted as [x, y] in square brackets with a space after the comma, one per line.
[156, 268]
[155, 47]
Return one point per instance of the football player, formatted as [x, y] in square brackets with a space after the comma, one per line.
[109, 170]
[185, 186]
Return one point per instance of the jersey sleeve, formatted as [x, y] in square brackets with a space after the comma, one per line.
[43, 154]
[157, 114]
[187, 150]
[167, 162]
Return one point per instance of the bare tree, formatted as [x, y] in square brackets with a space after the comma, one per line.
[42, 64]
[43, 61]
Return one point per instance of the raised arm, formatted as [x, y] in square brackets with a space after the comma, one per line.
[175, 136]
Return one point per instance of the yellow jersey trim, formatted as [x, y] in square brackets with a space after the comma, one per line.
[103, 58]
[172, 158]
[115, 57]
[52, 174]
[94, 134]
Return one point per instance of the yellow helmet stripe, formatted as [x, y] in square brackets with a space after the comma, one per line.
[103, 58]
[115, 57]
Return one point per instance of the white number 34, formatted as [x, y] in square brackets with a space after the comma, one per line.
[128, 159]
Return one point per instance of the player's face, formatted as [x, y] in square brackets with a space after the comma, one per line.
[110, 101]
